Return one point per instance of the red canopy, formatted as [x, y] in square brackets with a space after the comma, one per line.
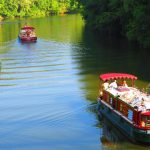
[27, 27]
[146, 113]
[109, 76]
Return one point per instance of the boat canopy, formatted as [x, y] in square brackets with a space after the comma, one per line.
[109, 76]
[146, 113]
[27, 28]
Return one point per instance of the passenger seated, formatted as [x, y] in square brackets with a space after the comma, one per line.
[28, 32]
[32, 34]
[113, 84]
[135, 101]
[105, 85]
[124, 84]
[100, 93]
[142, 107]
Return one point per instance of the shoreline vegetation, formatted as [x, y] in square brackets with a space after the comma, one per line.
[113, 18]
[1, 18]
[36, 8]
[127, 18]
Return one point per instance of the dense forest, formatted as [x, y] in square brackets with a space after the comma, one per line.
[21, 8]
[128, 18]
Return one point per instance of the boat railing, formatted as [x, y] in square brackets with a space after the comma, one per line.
[131, 113]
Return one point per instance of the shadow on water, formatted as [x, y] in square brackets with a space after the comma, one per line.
[97, 55]
[110, 137]
[115, 55]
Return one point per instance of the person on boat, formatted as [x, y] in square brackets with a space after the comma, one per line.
[32, 34]
[125, 84]
[135, 101]
[105, 85]
[113, 84]
[142, 107]
[28, 33]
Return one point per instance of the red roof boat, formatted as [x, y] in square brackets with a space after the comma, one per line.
[27, 34]
[109, 76]
[127, 107]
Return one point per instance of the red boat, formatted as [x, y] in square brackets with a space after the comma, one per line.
[27, 34]
[127, 107]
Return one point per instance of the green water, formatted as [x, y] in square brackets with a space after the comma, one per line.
[48, 89]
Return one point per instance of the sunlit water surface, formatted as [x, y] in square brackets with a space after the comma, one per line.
[48, 89]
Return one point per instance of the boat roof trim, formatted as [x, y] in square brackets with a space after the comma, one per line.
[27, 27]
[146, 113]
[112, 76]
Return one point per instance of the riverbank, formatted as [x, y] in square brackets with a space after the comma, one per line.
[1, 18]
[34, 8]
[38, 16]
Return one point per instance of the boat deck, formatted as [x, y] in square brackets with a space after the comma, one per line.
[131, 96]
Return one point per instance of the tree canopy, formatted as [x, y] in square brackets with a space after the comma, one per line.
[21, 8]
[130, 18]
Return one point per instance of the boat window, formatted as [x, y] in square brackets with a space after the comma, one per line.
[114, 103]
[111, 101]
[121, 107]
[105, 96]
[23, 31]
[145, 120]
[130, 114]
[107, 100]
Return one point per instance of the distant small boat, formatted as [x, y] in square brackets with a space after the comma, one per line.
[27, 34]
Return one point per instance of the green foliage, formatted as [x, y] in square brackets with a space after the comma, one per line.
[130, 18]
[21, 8]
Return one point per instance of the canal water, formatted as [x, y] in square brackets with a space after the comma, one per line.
[48, 89]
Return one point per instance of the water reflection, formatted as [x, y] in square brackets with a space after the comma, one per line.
[112, 138]
[97, 55]
[56, 28]
[100, 55]
[48, 89]
[110, 134]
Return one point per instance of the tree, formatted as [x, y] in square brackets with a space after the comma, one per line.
[13, 8]
[129, 18]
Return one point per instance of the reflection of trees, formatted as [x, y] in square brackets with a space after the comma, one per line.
[66, 28]
[9, 30]
[107, 55]
[98, 55]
